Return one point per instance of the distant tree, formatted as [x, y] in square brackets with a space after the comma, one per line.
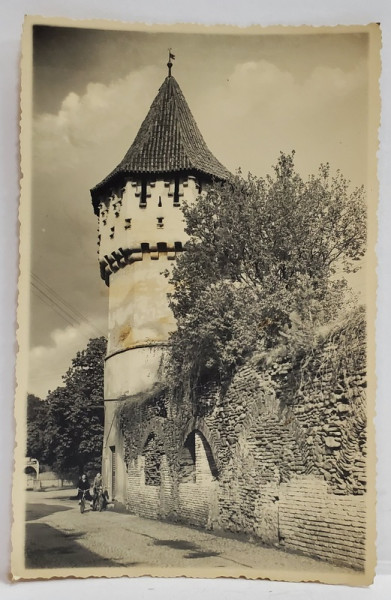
[75, 418]
[36, 423]
[264, 254]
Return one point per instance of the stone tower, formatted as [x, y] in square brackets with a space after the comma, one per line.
[141, 231]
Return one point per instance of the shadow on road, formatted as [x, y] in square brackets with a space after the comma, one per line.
[37, 511]
[176, 544]
[201, 554]
[184, 545]
[48, 548]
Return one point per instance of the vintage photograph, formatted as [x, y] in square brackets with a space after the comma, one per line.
[195, 376]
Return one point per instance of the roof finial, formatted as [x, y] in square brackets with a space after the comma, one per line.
[171, 57]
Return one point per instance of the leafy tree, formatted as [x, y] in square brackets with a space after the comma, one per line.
[263, 254]
[36, 422]
[75, 419]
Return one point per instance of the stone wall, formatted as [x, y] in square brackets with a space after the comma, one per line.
[278, 455]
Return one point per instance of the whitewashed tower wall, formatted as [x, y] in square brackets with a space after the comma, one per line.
[141, 231]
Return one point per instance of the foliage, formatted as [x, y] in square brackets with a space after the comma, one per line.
[75, 415]
[262, 253]
[152, 398]
[137, 409]
[36, 423]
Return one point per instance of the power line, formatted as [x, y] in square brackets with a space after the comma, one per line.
[65, 310]
[55, 303]
[69, 306]
[71, 310]
[49, 303]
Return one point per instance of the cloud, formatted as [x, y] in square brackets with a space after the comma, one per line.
[255, 85]
[258, 104]
[260, 110]
[263, 109]
[49, 363]
[98, 119]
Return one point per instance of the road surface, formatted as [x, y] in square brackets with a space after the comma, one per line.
[59, 536]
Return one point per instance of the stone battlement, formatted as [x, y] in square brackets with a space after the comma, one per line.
[122, 257]
[143, 215]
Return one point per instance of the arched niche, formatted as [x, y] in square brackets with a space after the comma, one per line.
[196, 458]
[153, 452]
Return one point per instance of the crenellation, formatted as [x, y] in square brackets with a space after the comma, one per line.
[123, 224]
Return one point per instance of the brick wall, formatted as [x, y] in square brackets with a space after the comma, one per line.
[279, 455]
[314, 521]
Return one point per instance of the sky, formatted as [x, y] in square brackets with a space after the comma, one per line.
[252, 96]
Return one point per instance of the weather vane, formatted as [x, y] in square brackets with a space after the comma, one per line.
[171, 57]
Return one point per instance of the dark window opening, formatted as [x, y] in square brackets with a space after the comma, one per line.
[128, 223]
[176, 191]
[160, 222]
[143, 197]
[112, 229]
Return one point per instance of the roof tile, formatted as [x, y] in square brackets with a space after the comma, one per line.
[168, 141]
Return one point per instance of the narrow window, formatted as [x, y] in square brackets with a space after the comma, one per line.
[176, 192]
[160, 223]
[128, 223]
[112, 229]
[143, 197]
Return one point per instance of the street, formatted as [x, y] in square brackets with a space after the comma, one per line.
[59, 536]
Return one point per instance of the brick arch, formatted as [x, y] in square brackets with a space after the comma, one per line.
[207, 451]
[199, 426]
[155, 427]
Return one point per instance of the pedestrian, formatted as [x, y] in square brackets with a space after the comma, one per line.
[97, 487]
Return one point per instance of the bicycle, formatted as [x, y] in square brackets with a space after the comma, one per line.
[82, 503]
[100, 500]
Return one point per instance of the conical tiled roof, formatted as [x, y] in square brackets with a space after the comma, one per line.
[168, 141]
